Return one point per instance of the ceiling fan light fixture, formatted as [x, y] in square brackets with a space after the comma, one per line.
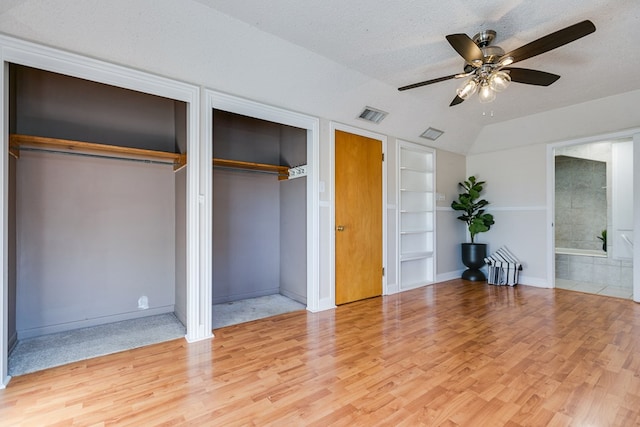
[468, 88]
[499, 81]
[486, 94]
[505, 61]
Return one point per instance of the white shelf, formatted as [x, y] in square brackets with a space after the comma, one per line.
[404, 168]
[411, 256]
[415, 231]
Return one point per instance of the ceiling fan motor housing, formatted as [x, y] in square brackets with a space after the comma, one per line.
[491, 54]
[484, 38]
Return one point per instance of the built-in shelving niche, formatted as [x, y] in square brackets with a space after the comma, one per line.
[416, 215]
[97, 204]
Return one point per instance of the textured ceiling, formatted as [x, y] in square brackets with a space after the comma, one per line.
[331, 58]
[402, 42]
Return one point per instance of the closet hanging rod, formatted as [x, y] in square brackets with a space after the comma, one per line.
[281, 171]
[96, 156]
[39, 143]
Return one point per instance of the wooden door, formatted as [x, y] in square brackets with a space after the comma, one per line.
[358, 214]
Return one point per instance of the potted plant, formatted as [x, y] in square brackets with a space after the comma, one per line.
[472, 206]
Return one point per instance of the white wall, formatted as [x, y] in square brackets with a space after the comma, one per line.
[515, 189]
[93, 235]
[451, 232]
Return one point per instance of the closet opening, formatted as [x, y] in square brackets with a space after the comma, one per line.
[259, 218]
[97, 219]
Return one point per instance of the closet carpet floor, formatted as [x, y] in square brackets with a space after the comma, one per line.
[236, 312]
[47, 351]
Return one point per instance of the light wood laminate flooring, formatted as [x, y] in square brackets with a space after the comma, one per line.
[454, 353]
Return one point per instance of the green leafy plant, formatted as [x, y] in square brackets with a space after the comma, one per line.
[473, 207]
[603, 238]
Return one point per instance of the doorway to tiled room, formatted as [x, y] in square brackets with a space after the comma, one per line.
[594, 218]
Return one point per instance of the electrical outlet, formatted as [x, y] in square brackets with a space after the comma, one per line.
[143, 302]
[440, 197]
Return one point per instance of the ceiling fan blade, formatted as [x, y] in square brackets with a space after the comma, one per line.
[463, 44]
[457, 100]
[532, 77]
[427, 82]
[552, 41]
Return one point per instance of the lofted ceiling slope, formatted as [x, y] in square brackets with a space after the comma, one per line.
[403, 42]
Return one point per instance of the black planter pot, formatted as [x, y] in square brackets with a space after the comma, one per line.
[473, 255]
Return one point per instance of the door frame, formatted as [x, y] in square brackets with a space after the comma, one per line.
[21, 52]
[551, 209]
[333, 127]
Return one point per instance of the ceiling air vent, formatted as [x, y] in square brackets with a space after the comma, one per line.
[431, 134]
[372, 115]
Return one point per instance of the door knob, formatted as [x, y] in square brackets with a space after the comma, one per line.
[340, 228]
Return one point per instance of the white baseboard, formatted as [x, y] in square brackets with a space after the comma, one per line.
[448, 276]
[533, 281]
[392, 288]
[5, 382]
[323, 304]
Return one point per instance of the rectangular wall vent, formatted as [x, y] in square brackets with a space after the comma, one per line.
[431, 134]
[372, 115]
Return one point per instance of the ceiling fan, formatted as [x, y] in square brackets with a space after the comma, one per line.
[487, 66]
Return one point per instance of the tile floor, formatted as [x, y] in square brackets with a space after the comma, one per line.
[594, 288]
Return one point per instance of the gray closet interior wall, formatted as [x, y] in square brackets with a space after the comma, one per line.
[259, 222]
[293, 218]
[93, 235]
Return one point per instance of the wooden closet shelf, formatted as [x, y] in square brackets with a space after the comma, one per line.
[282, 171]
[39, 142]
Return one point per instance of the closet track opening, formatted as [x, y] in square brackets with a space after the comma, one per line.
[97, 229]
[259, 220]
